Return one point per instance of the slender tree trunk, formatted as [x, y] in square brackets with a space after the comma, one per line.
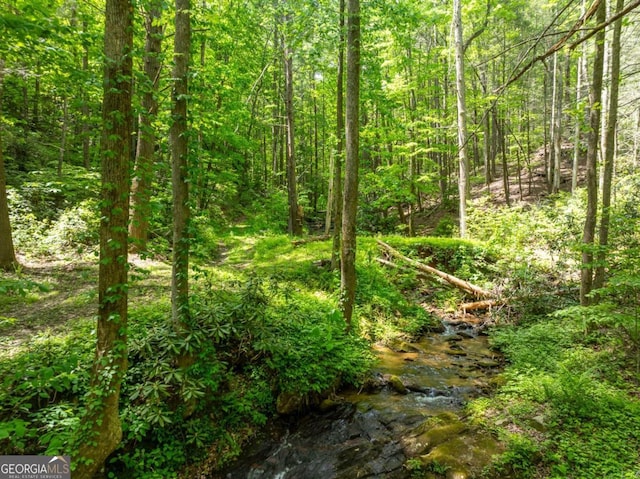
[337, 174]
[350, 208]
[588, 234]
[609, 148]
[86, 135]
[63, 136]
[487, 138]
[7, 253]
[505, 165]
[140, 187]
[636, 140]
[100, 428]
[463, 161]
[179, 141]
[580, 75]
[557, 125]
[295, 221]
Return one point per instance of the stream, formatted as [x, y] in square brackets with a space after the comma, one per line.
[412, 408]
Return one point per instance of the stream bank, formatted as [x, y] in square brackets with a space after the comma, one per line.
[408, 417]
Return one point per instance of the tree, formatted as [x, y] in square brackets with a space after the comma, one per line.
[7, 252]
[140, 194]
[595, 94]
[462, 117]
[100, 428]
[295, 219]
[180, 171]
[352, 149]
[338, 157]
[609, 150]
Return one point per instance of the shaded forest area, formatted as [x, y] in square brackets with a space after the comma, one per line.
[210, 212]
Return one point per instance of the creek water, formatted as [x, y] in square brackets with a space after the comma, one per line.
[411, 409]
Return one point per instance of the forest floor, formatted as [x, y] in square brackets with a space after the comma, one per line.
[56, 293]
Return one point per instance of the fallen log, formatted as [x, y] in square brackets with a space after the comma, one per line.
[476, 305]
[457, 282]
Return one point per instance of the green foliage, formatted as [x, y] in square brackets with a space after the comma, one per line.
[39, 390]
[565, 394]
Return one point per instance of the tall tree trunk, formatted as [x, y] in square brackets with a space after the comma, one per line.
[505, 165]
[7, 252]
[609, 150]
[463, 161]
[100, 428]
[140, 187]
[295, 220]
[350, 208]
[588, 233]
[178, 136]
[580, 76]
[557, 124]
[84, 109]
[337, 174]
[63, 136]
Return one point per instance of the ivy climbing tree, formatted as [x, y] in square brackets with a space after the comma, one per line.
[100, 429]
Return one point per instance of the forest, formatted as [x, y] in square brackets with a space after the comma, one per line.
[321, 239]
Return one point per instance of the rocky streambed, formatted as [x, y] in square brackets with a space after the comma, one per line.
[409, 415]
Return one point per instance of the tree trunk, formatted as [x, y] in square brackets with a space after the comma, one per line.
[350, 208]
[609, 150]
[463, 161]
[86, 135]
[295, 221]
[63, 136]
[100, 428]
[178, 136]
[337, 173]
[580, 74]
[588, 234]
[7, 253]
[140, 187]
[557, 125]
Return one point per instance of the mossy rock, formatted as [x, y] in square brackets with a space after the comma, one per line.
[397, 385]
[290, 403]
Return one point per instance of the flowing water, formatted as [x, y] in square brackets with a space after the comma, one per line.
[412, 409]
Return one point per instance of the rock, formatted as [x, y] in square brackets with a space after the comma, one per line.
[328, 405]
[487, 363]
[437, 328]
[397, 385]
[468, 334]
[455, 353]
[454, 338]
[400, 346]
[289, 403]
[538, 423]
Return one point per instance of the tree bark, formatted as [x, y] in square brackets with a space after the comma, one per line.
[100, 428]
[295, 221]
[580, 74]
[7, 252]
[557, 124]
[350, 202]
[463, 161]
[63, 136]
[588, 233]
[609, 151]
[179, 140]
[140, 187]
[337, 162]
